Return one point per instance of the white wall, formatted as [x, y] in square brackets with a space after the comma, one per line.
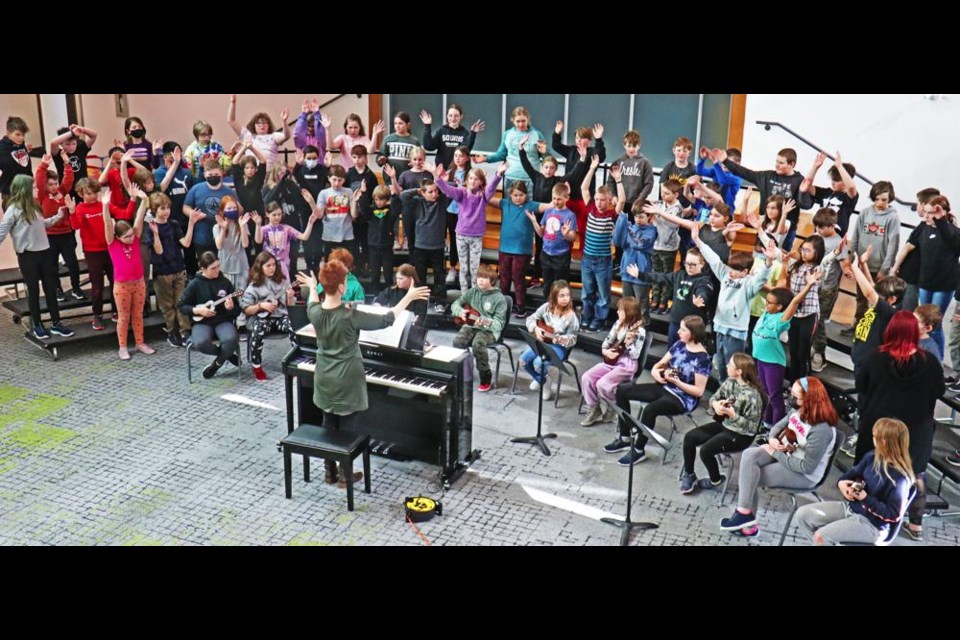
[903, 138]
[171, 116]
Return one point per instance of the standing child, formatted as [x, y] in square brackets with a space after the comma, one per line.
[516, 242]
[129, 289]
[458, 177]
[361, 177]
[63, 240]
[596, 266]
[261, 131]
[521, 134]
[14, 155]
[542, 183]
[558, 228]
[842, 195]
[492, 307]
[679, 168]
[929, 318]
[450, 136]
[636, 171]
[579, 158]
[232, 239]
[425, 223]
[471, 218]
[86, 217]
[353, 135]
[337, 208]
[309, 129]
[768, 351]
[622, 346]
[380, 215]
[412, 177]
[204, 148]
[276, 237]
[825, 224]
[76, 142]
[205, 197]
[312, 172]
[668, 241]
[398, 146]
[24, 222]
[143, 150]
[637, 240]
[249, 175]
[169, 269]
[728, 183]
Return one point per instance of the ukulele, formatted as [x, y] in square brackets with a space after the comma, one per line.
[213, 304]
[621, 345]
[474, 318]
[788, 437]
[726, 402]
[272, 300]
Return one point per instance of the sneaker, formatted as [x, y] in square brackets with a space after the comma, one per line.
[40, 332]
[484, 387]
[259, 373]
[123, 353]
[439, 308]
[519, 313]
[114, 317]
[818, 363]
[451, 276]
[633, 456]
[185, 339]
[535, 282]
[58, 329]
[954, 459]
[173, 339]
[955, 387]
[592, 417]
[688, 483]
[534, 385]
[97, 323]
[608, 415]
[749, 532]
[738, 521]
[949, 380]
[709, 485]
[211, 369]
[662, 310]
[78, 294]
[848, 332]
[146, 349]
[548, 391]
[234, 359]
[618, 445]
[61, 296]
[587, 328]
[913, 534]
[849, 447]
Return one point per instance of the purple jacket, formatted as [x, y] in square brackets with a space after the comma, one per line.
[301, 139]
[472, 217]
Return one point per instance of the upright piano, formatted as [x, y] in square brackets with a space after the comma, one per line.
[421, 403]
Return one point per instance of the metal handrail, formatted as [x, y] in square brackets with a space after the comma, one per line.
[767, 125]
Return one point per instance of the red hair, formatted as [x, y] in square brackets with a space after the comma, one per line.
[902, 337]
[817, 407]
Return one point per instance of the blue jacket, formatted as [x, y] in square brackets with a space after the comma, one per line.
[637, 242]
[729, 184]
[886, 501]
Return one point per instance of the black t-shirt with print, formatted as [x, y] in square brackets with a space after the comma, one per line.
[840, 202]
[869, 332]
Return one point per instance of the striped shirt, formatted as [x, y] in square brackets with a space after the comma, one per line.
[599, 236]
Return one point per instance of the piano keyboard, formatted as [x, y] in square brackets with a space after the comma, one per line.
[387, 379]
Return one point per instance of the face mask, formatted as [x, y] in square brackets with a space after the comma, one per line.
[310, 164]
[793, 402]
[231, 214]
[138, 133]
[213, 180]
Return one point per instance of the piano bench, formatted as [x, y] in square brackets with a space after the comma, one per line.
[309, 440]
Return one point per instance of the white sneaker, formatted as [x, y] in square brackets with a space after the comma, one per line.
[534, 385]
[451, 276]
[592, 417]
[548, 392]
[817, 362]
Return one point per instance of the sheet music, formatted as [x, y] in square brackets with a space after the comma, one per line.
[390, 336]
[307, 331]
[443, 354]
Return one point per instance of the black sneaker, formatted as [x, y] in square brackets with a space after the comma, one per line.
[173, 339]
[61, 296]
[98, 323]
[58, 329]
[954, 459]
[633, 456]
[955, 387]
[587, 328]
[949, 380]
[78, 294]
[848, 332]
[211, 369]
[739, 521]
[40, 332]
[234, 359]
[707, 484]
[618, 445]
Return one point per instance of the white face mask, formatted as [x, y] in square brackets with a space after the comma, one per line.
[310, 164]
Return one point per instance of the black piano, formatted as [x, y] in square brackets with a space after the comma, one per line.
[421, 408]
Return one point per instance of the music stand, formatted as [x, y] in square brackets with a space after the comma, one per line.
[546, 355]
[628, 525]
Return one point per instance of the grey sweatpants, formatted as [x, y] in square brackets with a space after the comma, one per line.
[836, 523]
[759, 469]
[469, 249]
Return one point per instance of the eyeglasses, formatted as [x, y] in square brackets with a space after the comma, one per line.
[691, 264]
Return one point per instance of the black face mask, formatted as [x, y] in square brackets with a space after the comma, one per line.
[213, 180]
[138, 133]
[793, 402]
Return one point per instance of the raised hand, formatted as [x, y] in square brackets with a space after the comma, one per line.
[633, 271]
[197, 215]
[128, 156]
[595, 161]
[378, 128]
[117, 142]
[478, 126]
[306, 106]
[75, 129]
[704, 153]
[284, 114]
[719, 155]
[789, 206]
[298, 156]
[222, 221]
[814, 276]
[46, 159]
[597, 131]
[256, 217]
[558, 128]
[69, 202]
[308, 197]
[524, 140]
[502, 169]
[315, 105]
[177, 157]
[753, 220]
[392, 172]
[244, 219]
[820, 159]
[542, 147]
[137, 192]
[866, 256]
[157, 145]
[836, 158]
[153, 228]
[771, 251]
[693, 181]
[615, 170]
[425, 117]
[325, 121]
[698, 301]
[651, 209]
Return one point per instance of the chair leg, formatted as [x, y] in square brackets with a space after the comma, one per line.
[510, 355]
[496, 375]
[513, 387]
[793, 510]
[189, 368]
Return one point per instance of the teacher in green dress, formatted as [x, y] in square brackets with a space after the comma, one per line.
[339, 384]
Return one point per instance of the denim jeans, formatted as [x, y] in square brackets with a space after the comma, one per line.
[534, 365]
[726, 347]
[942, 300]
[597, 271]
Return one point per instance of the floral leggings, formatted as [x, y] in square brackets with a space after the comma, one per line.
[258, 328]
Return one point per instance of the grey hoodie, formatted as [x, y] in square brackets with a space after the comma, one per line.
[637, 176]
[880, 230]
